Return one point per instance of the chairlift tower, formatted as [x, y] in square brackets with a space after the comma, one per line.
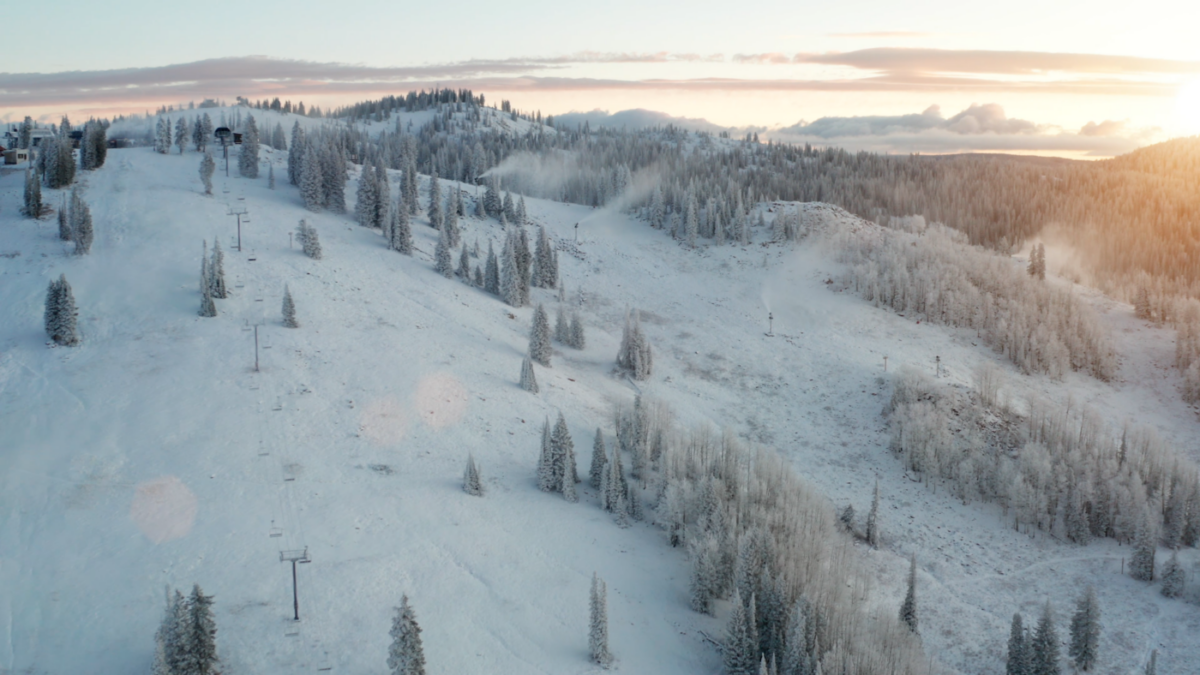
[295, 556]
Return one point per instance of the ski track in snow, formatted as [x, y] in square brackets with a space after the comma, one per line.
[329, 443]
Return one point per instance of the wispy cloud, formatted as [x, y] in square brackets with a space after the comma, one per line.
[901, 59]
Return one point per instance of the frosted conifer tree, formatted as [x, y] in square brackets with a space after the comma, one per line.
[528, 379]
[545, 468]
[61, 314]
[478, 277]
[691, 224]
[401, 231]
[1018, 650]
[278, 139]
[562, 330]
[248, 158]
[366, 205]
[578, 340]
[296, 155]
[289, 309]
[510, 209]
[200, 646]
[741, 638]
[176, 629]
[562, 454]
[1141, 563]
[569, 477]
[873, 519]
[522, 214]
[524, 261]
[333, 177]
[198, 138]
[598, 624]
[208, 308]
[435, 202]
[491, 274]
[1044, 659]
[406, 656]
[64, 225]
[181, 134]
[635, 356]
[307, 236]
[702, 551]
[795, 659]
[80, 221]
[312, 179]
[207, 167]
[33, 195]
[539, 338]
[464, 266]
[443, 259]
[271, 175]
[217, 272]
[1085, 631]
[599, 460]
[472, 482]
[1173, 577]
[450, 223]
[510, 274]
[908, 610]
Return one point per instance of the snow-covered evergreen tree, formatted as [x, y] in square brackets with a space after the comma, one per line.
[510, 274]
[539, 338]
[472, 482]
[908, 610]
[208, 166]
[443, 259]
[181, 134]
[545, 467]
[1085, 631]
[64, 223]
[333, 177]
[271, 175]
[312, 178]
[208, 308]
[1141, 563]
[1173, 577]
[175, 634]
[248, 158]
[702, 589]
[491, 273]
[296, 156]
[741, 638]
[1152, 664]
[562, 329]
[578, 339]
[368, 195]
[598, 624]
[198, 137]
[306, 236]
[1018, 650]
[61, 314]
[796, 658]
[217, 272]
[562, 455]
[522, 213]
[528, 379]
[873, 519]
[33, 195]
[510, 208]
[435, 202]
[278, 139]
[401, 231]
[200, 645]
[569, 474]
[406, 656]
[1043, 650]
[599, 460]
[464, 265]
[635, 356]
[450, 222]
[289, 309]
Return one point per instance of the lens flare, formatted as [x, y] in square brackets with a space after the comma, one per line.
[384, 422]
[441, 400]
[163, 509]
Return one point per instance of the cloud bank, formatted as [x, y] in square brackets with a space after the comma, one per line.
[633, 119]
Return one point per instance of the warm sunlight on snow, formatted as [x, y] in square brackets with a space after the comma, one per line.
[1187, 107]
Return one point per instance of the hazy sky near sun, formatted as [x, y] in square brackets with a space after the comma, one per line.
[1056, 65]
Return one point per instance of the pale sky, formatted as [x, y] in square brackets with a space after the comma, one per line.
[1052, 67]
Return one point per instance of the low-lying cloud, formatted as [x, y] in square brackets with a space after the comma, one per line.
[639, 118]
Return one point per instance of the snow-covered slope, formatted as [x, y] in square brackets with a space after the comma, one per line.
[155, 455]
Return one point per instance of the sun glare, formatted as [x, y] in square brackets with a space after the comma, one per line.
[1187, 107]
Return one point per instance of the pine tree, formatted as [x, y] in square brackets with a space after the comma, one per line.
[1018, 650]
[562, 329]
[309, 241]
[271, 175]
[539, 338]
[702, 551]
[198, 137]
[1085, 631]
[181, 134]
[599, 460]
[401, 231]
[450, 222]
[522, 214]
[908, 610]
[741, 641]
[464, 266]
[312, 178]
[366, 205]
[406, 656]
[207, 167]
[176, 631]
[207, 307]
[796, 658]
[443, 260]
[598, 623]
[333, 177]
[562, 455]
[278, 139]
[1044, 658]
[296, 155]
[472, 483]
[289, 309]
[64, 225]
[217, 272]
[435, 203]
[61, 315]
[528, 379]
[873, 519]
[524, 260]
[1141, 563]
[578, 339]
[200, 649]
[545, 468]
[569, 474]
[248, 158]
[510, 209]
[491, 274]
[33, 195]
[1173, 577]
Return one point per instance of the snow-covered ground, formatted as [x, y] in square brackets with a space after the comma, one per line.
[155, 455]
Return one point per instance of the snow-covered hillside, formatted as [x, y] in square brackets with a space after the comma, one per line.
[155, 455]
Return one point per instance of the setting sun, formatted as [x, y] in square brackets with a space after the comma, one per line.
[1187, 107]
